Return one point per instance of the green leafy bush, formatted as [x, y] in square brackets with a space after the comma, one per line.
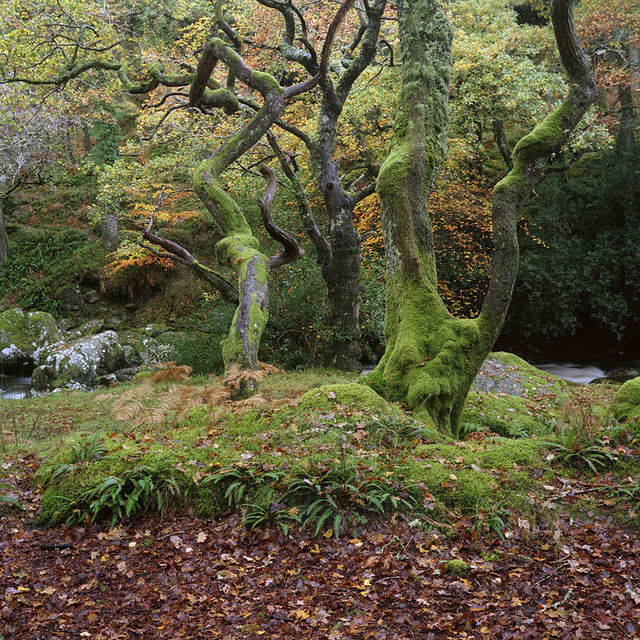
[41, 262]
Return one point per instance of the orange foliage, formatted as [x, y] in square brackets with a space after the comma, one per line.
[611, 29]
[460, 209]
[137, 261]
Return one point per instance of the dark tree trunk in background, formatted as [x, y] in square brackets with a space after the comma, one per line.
[344, 290]
[628, 119]
[4, 245]
[341, 264]
[342, 274]
[110, 229]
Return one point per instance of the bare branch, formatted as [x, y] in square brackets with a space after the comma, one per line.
[290, 128]
[323, 248]
[501, 142]
[307, 85]
[365, 193]
[164, 98]
[177, 252]
[292, 250]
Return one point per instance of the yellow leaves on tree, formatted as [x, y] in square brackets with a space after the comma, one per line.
[460, 207]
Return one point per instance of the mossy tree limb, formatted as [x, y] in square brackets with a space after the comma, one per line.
[239, 248]
[530, 160]
[431, 358]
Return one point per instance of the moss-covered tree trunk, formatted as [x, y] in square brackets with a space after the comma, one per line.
[431, 358]
[239, 248]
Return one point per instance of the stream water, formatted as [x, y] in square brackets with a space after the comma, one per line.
[586, 373]
[14, 387]
[581, 373]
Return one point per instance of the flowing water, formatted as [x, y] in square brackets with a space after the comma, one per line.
[586, 373]
[14, 387]
[581, 373]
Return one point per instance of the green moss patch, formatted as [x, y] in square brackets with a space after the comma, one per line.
[509, 416]
[357, 396]
[324, 462]
[472, 477]
[625, 405]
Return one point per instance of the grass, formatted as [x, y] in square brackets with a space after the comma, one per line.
[303, 454]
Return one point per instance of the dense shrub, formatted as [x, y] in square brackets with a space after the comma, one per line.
[578, 285]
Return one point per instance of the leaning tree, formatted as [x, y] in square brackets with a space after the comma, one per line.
[431, 358]
[70, 49]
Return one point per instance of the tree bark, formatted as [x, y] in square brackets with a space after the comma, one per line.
[342, 276]
[344, 289]
[110, 228]
[340, 263]
[239, 248]
[4, 244]
[628, 121]
[431, 358]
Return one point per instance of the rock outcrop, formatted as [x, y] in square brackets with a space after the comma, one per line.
[22, 335]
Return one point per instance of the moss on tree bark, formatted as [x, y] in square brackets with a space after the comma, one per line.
[432, 358]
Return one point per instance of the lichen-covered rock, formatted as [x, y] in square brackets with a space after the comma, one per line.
[626, 402]
[354, 395]
[88, 328]
[22, 334]
[502, 394]
[143, 349]
[506, 373]
[78, 365]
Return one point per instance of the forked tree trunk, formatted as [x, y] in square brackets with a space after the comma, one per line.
[432, 358]
[339, 253]
[239, 248]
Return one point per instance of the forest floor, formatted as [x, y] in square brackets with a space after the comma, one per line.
[567, 566]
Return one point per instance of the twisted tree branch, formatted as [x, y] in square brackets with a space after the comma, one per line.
[292, 250]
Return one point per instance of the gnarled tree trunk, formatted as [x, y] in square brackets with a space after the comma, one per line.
[432, 358]
[339, 252]
[239, 249]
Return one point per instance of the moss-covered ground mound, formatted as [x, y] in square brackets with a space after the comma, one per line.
[317, 449]
[314, 510]
[625, 405]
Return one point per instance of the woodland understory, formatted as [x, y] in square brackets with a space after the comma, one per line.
[494, 538]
